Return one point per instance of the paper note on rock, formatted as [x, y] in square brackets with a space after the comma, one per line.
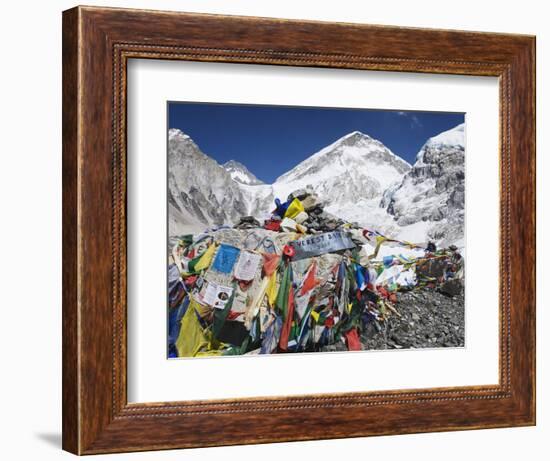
[247, 265]
[217, 295]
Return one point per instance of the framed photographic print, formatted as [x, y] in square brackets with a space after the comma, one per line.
[284, 230]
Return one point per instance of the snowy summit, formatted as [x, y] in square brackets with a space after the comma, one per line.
[241, 174]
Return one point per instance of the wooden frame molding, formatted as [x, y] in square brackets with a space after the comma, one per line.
[97, 44]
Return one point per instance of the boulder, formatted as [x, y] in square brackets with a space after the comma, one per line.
[247, 222]
[452, 287]
[310, 201]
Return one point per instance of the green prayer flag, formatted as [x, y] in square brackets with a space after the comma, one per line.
[282, 296]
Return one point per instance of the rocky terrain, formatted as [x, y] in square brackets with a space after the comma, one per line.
[429, 318]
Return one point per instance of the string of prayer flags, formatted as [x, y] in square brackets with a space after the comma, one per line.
[191, 336]
[246, 291]
[271, 336]
[294, 209]
[193, 339]
[362, 277]
[282, 296]
[220, 316]
[272, 290]
[288, 318]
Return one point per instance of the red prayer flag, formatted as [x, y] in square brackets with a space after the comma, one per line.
[272, 225]
[310, 281]
[352, 338]
[287, 325]
[271, 261]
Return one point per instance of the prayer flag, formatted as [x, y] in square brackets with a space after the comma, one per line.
[310, 281]
[225, 258]
[206, 258]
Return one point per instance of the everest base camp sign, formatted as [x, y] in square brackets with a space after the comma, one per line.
[316, 245]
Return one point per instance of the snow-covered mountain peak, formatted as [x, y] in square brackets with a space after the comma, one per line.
[355, 136]
[353, 139]
[354, 150]
[182, 145]
[177, 133]
[241, 173]
[450, 138]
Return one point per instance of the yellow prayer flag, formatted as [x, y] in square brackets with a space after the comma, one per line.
[206, 258]
[272, 289]
[191, 337]
[294, 209]
[193, 340]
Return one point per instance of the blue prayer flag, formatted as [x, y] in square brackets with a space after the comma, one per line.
[225, 258]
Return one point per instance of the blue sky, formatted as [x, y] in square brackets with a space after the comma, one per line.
[270, 140]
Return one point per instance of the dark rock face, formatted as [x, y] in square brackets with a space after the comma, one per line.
[199, 190]
[247, 222]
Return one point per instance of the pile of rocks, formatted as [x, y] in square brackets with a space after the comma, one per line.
[311, 219]
[428, 318]
[247, 222]
[317, 220]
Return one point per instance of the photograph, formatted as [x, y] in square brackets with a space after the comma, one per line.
[313, 229]
[275, 230]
